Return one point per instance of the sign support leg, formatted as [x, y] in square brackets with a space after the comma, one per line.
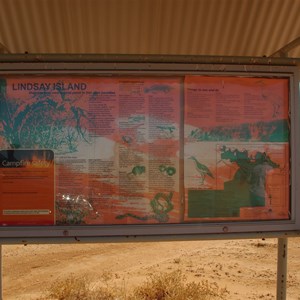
[281, 268]
[1, 272]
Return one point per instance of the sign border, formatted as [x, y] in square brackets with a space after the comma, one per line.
[169, 231]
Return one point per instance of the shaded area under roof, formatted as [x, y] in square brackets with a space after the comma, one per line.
[164, 27]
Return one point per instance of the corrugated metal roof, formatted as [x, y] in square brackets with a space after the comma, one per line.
[188, 27]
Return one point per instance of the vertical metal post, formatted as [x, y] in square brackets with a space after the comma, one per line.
[1, 272]
[282, 268]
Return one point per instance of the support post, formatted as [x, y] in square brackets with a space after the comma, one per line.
[1, 295]
[282, 268]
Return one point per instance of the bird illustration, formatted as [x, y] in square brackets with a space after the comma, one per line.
[202, 169]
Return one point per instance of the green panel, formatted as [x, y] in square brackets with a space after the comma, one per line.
[222, 203]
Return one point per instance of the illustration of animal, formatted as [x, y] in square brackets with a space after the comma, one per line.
[202, 169]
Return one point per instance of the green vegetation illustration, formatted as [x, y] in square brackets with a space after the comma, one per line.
[167, 170]
[272, 131]
[136, 119]
[161, 205]
[136, 171]
[247, 187]
[166, 131]
[43, 121]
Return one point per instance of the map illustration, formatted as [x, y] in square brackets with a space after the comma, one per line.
[245, 180]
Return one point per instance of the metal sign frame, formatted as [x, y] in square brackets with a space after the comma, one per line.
[171, 66]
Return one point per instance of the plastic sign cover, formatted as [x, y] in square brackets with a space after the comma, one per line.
[143, 150]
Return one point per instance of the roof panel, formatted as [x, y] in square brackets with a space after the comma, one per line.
[192, 27]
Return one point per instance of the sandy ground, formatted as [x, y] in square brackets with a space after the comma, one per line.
[247, 268]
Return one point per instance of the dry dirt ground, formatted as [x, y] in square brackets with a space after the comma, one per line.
[247, 268]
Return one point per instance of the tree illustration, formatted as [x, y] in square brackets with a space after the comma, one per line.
[43, 121]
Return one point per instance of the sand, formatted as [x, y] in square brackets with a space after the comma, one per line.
[247, 268]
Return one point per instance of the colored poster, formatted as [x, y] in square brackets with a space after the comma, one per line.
[115, 140]
[27, 187]
[236, 148]
[144, 150]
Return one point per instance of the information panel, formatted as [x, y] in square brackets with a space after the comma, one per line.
[115, 142]
[236, 148]
[27, 187]
[93, 150]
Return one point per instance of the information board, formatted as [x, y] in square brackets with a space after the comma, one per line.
[81, 150]
[236, 148]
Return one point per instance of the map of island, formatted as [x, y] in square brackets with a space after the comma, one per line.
[252, 180]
